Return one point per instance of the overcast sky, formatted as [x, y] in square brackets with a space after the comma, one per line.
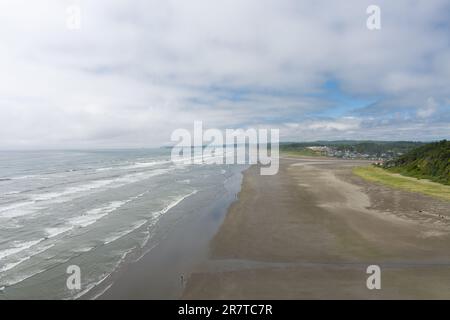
[136, 70]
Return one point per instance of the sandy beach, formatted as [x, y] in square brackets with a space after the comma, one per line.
[311, 231]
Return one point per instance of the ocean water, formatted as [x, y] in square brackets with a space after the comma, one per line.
[92, 209]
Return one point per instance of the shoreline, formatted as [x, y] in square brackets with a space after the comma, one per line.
[311, 231]
[161, 272]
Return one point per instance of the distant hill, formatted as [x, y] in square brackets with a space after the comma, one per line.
[353, 149]
[430, 161]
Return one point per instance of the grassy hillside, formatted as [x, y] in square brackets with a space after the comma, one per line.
[396, 180]
[430, 161]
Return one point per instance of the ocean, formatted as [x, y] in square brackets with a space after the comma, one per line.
[96, 209]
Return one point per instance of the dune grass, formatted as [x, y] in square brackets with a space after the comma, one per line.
[396, 180]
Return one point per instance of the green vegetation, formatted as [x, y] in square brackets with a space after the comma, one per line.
[302, 152]
[378, 147]
[352, 149]
[430, 161]
[396, 180]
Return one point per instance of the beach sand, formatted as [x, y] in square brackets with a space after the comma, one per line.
[311, 231]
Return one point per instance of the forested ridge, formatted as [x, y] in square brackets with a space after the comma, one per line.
[430, 161]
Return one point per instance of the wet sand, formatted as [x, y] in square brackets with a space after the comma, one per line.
[311, 231]
[182, 242]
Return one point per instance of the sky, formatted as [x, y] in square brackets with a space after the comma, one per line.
[137, 70]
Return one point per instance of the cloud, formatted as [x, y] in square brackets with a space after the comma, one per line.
[137, 70]
[429, 109]
[344, 124]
